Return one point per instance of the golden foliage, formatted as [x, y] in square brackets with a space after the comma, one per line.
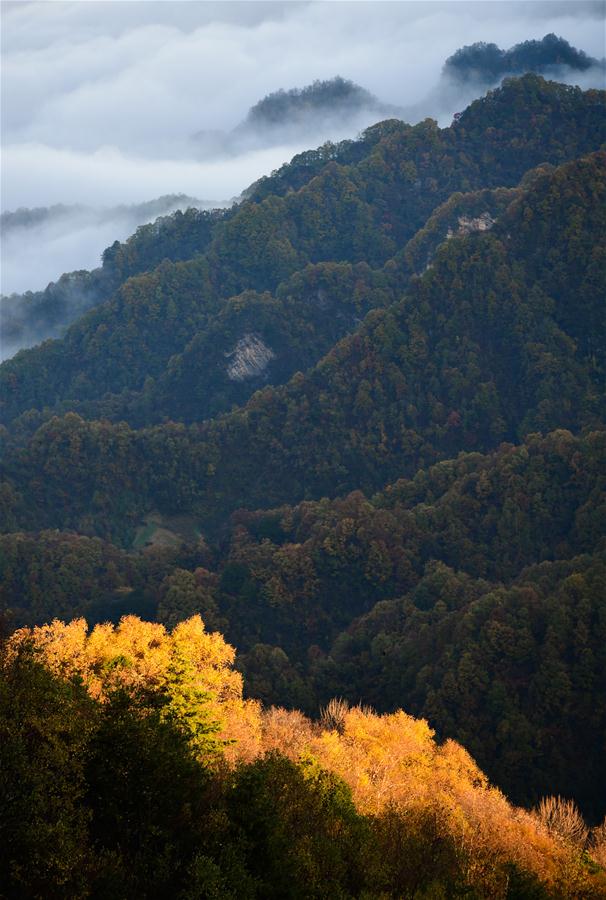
[139, 656]
[286, 730]
[392, 763]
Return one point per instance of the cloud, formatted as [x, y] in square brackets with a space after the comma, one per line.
[100, 99]
[34, 254]
[39, 243]
[144, 76]
[110, 175]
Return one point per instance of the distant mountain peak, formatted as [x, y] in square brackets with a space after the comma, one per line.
[488, 63]
[335, 96]
[319, 111]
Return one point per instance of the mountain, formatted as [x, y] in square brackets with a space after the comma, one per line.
[29, 318]
[487, 64]
[361, 206]
[357, 423]
[334, 103]
[483, 347]
[473, 69]
[337, 96]
[321, 110]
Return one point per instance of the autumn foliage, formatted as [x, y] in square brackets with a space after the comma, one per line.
[189, 671]
[402, 508]
[331, 805]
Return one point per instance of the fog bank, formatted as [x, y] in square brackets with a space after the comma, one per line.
[102, 101]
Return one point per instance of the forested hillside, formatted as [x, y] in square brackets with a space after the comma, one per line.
[357, 424]
[361, 206]
[27, 319]
[132, 767]
[476, 352]
[307, 594]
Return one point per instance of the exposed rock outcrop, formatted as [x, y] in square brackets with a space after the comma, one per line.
[467, 224]
[249, 358]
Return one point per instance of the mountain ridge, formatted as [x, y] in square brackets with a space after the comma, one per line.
[416, 515]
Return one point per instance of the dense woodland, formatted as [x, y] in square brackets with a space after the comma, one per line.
[356, 426]
[361, 201]
[29, 318]
[133, 767]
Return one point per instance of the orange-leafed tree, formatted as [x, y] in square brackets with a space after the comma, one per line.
[186, 675]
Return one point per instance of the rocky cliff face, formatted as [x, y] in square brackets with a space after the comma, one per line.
[465, 225]
[249, 358]
[469, 224]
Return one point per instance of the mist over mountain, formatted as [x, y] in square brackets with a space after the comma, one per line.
[49, 248]
[474, 68]
[137, 213]
[303, 496]
[321, 113]
[357, 423]
[40, 244]
[323, 110]
[249, 247]
[35, 316]
[487, 64]
[337, 97]
[114, 123]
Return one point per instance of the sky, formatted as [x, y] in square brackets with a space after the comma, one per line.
[100, 99]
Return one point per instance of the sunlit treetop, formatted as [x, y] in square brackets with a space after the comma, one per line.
[187, 673]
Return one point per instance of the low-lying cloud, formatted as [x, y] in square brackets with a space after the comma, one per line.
[101, 100]
[38, 244]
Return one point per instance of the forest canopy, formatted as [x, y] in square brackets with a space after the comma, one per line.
[354, 427]
[117, 783]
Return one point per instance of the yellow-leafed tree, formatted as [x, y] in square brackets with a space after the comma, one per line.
[186, 674]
